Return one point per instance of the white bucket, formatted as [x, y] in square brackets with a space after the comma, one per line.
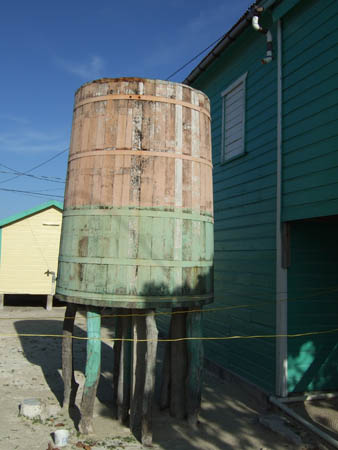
[61, 437]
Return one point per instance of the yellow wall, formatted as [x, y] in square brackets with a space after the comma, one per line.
[29, 248]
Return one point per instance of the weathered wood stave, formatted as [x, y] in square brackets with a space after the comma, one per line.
[138, 226]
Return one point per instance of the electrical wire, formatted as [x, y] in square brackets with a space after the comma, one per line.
[195, 57]
[44, 178]
[36, 167]
[31, 193]
[306, 297]
[38, 244]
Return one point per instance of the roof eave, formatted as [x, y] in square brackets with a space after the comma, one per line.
[30, 212]
[228, 38]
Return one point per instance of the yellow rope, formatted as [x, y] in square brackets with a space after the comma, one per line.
[184, 311]
[221, 338]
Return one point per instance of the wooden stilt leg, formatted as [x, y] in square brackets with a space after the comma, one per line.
[117, 359]
[165, 381]
[195, 367]
[138, 372]
[92, 369]
[2, 300]
[149, 382]
[178, 364]
[123, 388]
[70, 385]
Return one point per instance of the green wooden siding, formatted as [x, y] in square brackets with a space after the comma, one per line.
[312, 306]
[244, 201]
[111, 256]
[310, 110]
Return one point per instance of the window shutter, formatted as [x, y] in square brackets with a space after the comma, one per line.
[233, 119]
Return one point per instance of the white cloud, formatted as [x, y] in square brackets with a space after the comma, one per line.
[16, 119]
[28, 140]
[86, 70]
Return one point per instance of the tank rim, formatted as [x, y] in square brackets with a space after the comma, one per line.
[139, 79]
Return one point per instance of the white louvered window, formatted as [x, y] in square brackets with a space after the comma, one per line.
[233, 124]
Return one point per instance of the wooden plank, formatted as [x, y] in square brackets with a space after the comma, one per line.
[195, 367]
[92, 369]
[70, 385]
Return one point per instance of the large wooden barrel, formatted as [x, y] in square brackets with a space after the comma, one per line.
[137, 226]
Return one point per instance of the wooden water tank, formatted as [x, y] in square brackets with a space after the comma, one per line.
[137, 226]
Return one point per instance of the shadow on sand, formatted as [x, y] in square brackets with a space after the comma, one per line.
[46, 352]
[228, 420]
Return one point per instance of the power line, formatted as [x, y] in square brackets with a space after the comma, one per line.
[44, 178]
[53, 189]
[36, 167]
[195, 57]
[32, 193]
[50, 159]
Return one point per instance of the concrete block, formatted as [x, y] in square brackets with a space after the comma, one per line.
[31, 407]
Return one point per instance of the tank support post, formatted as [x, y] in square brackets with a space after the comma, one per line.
[93, 364]
[70, 385]
[123, 384]
[178, 362]
[195, 366]
[145, 337]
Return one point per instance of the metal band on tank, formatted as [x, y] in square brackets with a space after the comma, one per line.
[132, 298]
[136, 213]
[126, 152]
[147, 98]
[133, 262]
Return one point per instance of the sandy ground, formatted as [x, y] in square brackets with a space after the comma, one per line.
[30, 367]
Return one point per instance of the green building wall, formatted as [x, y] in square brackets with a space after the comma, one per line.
[310, 189]
[244, 201]
[312, 306]
[310, 110]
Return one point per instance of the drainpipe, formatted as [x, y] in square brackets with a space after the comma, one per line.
[281, 271]
[309, 397]
[257, 27]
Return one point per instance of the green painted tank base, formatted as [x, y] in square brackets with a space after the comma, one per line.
[137, 302]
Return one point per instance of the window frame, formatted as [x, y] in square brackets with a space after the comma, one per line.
[231, 87]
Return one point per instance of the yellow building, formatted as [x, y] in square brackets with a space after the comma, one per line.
[29, 249]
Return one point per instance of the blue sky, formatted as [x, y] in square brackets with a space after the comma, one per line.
[49, 49]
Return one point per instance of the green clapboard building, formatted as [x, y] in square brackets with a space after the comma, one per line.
[275, 155]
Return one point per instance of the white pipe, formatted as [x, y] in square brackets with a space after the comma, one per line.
[255, 23]
[307, 424]
[256, 26]
[309, 397]
[268, 57]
